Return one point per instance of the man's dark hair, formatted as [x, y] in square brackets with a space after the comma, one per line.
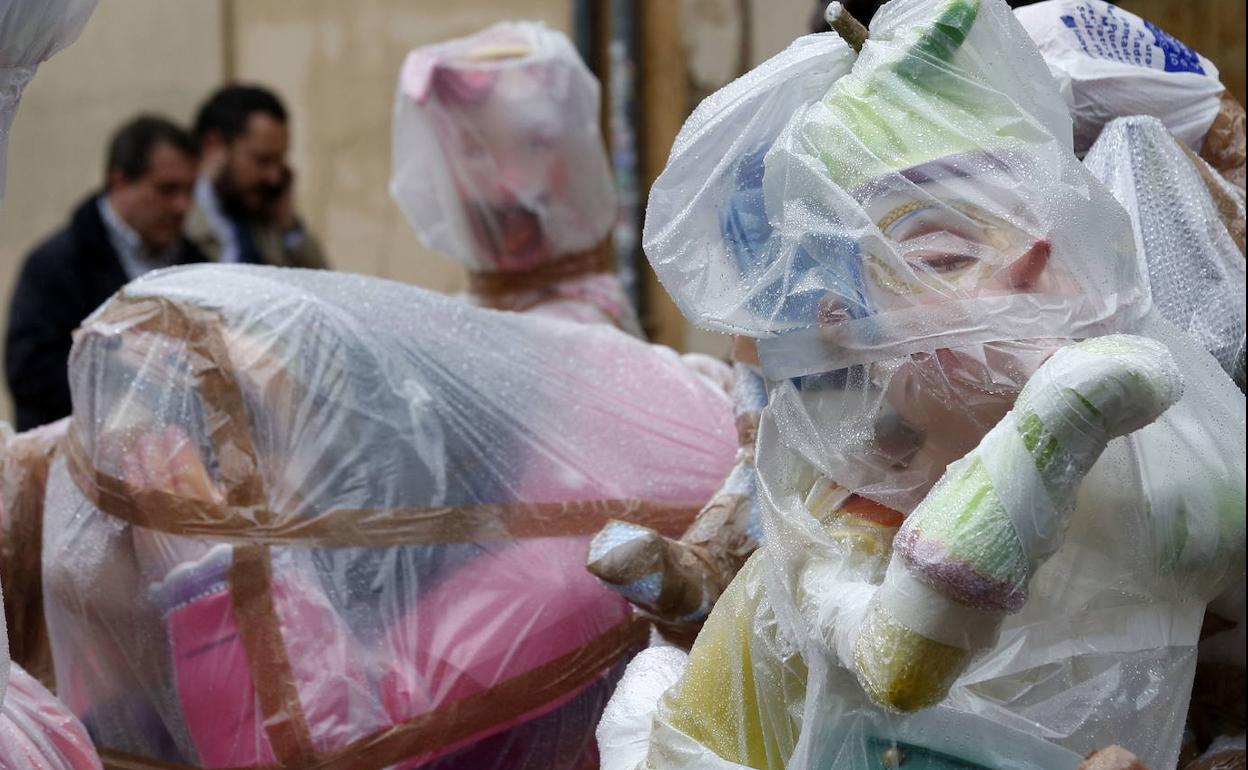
[228, 110]
[130, 150]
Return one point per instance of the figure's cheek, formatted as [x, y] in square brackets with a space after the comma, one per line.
[557, 177]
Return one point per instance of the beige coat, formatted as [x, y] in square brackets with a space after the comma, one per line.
[269, 242]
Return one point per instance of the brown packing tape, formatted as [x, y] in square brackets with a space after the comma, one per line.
[215, 381]
[1230, 211]
[23, 482]
[500, 704]
[496, 286]
[1224, 144]
[369, 528]
[251, 589]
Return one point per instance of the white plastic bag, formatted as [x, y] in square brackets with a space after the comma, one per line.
[1111, 63]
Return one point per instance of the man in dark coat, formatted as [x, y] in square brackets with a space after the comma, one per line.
[133, 226]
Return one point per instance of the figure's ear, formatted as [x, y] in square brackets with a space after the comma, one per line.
[417, 74]
[116, 178]
[1027, 269]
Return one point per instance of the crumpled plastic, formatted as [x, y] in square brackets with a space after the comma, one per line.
[1195, 270]
[37, 731]
[31, 32]
[942, 241]
[1002, 163]
[24, 461]
[499, 164]
[284, 532]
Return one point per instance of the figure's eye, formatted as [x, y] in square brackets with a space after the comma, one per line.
[541, 142]
[944, 252]
[472, 147]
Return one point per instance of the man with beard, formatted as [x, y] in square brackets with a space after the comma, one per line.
[113, 237]
[244, 210]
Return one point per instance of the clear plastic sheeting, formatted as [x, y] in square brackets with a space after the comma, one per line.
[37, 732]
[707, 231]
[1110, 63]
[952, 251]
[1195, 270]
[950, 211]
[1103, 650]
[24, 462]
[499, 164]
[284, 533]
[31, 32]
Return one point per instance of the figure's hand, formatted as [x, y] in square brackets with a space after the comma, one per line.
[1112, 758]
[167, 461]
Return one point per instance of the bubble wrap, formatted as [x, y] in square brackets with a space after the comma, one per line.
[293, 525]
[1195, 271]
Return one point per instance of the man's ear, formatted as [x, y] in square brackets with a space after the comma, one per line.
[115, 179]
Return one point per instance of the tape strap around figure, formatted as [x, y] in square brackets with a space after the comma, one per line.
[497, 285]
[1057, 399]
[244, 517]
[922, 609]
[1021, 492]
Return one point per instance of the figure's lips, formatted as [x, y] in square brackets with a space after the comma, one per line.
[514, 234]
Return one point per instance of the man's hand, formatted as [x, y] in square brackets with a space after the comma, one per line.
[282, 211]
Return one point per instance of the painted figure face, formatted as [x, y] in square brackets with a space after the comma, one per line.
[943, 234]
[508, 159]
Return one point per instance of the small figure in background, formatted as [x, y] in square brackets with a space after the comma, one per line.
[499, 164]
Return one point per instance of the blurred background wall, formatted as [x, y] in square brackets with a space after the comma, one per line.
[335, 64]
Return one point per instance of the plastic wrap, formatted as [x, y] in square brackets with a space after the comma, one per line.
[499, 164]
[285, 533]
[975, 221]
[950, 244]
[1110, 63]
[37, 732]
[24, 462]
[31, 32]
[1195, 269]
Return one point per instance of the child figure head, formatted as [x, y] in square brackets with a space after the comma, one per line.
[505, 125]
